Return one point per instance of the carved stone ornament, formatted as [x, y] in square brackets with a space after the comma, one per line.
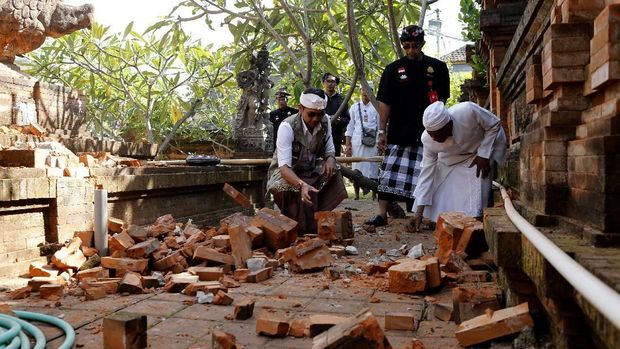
[24, 24]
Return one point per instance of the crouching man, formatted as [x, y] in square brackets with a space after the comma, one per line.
[304, 176]
[460, 145]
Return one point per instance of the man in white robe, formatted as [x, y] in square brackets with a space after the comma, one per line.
[363, 114]
[460, 145]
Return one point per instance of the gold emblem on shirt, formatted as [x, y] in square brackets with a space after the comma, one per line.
[430, 70]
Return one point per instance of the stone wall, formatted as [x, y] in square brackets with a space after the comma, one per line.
[554, 78]
[36, 209]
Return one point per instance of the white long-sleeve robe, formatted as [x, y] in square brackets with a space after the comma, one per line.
[446, 182]
[354, 130]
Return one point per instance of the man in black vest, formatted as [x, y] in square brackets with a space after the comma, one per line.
[408, 85]
[334, 100]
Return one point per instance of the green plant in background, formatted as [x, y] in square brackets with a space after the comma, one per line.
[469, 16]
[141, 86]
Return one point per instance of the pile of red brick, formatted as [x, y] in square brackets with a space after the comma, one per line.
[183, 258]
[461, 262]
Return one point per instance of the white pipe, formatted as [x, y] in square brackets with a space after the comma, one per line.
[101, 221]
[605, 299]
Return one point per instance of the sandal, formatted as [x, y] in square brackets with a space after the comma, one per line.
[377, 221]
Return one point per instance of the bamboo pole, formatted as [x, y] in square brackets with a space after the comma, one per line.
[249, 162]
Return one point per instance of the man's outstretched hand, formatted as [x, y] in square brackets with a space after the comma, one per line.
[483, 166]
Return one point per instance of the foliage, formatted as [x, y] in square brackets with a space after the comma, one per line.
[140, 85]
[469, 16]
[456, 81]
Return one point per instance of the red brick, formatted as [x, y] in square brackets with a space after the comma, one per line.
[362, 329]
[494, 325]
[124, 331]
[237, 196]
[51, 292]
[240, 244]
[272, 325]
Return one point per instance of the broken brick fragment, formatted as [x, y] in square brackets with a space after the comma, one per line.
[279, 231]
[399, 321]
[222, 298]
[359, 331]
[51, 292]
[124, 331]
[243, 310]
[273, 325]
[494, 324]
[237, 195]
[223, 340]
[131, 283]
[334, 225]
[319, 323]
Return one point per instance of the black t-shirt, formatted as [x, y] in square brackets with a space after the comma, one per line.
[277, 116]
[405, 86]
[333, 103]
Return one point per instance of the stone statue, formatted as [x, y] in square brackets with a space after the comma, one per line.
[253, 133]
[24, 24]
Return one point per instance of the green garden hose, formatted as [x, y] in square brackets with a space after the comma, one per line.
[15, 327]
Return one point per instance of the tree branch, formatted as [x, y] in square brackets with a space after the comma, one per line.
[188, 114]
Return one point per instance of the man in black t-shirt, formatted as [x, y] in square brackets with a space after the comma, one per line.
[408, 85]
[284, 111]
[334, 100]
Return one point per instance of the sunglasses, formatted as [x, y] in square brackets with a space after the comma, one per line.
[316, 114]
[410, 46]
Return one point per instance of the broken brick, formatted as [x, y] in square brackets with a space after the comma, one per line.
[131, 283]
[240, 244]
[221, 241]
[273, 325]
[471, 300]
[204, 253]
[243, 310]
[51, 292]
[319, 323]
[124, 331]
[443, 311]
[256, 235]
[241, 275]
[36, 282]
[94, 293]
[169, 261]
[359, 331]
[20, 293]
[69, 256]
[279, 231]
[150, 282]
[334, 225]
[407, 277]
[40, 269]
[260, 275]
[494, 324]
[458, 232]
[120, 242]
[143, 249]
[298, 328]
[110, 285]
[223, 340]
[204, 286]
[137, 265]
[207, 273]
[237, 196]
[311, 255]
[222, 298]
[92, 273]
[115, 225]
[86, 237]
[163, 225]
[137, 233]
[399, 321]
[178, 282]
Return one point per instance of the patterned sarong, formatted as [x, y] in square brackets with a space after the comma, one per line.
[400, 170]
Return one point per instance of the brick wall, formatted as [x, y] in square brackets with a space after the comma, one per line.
[556, 84]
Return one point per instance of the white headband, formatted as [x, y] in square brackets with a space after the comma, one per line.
[435, 116]
[312, 101]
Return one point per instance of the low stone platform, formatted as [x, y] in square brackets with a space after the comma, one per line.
[35, 208]
[525, 275]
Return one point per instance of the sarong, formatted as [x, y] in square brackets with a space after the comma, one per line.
[400, 170]
[288, 198]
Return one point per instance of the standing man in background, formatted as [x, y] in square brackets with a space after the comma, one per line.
[408, 85]
[334, 100]
[283, 112]
[364, 117]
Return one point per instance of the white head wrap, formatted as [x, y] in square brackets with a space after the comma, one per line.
[312, 101]
[435, 116]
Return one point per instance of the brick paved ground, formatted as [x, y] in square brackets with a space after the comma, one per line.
[174, 322]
